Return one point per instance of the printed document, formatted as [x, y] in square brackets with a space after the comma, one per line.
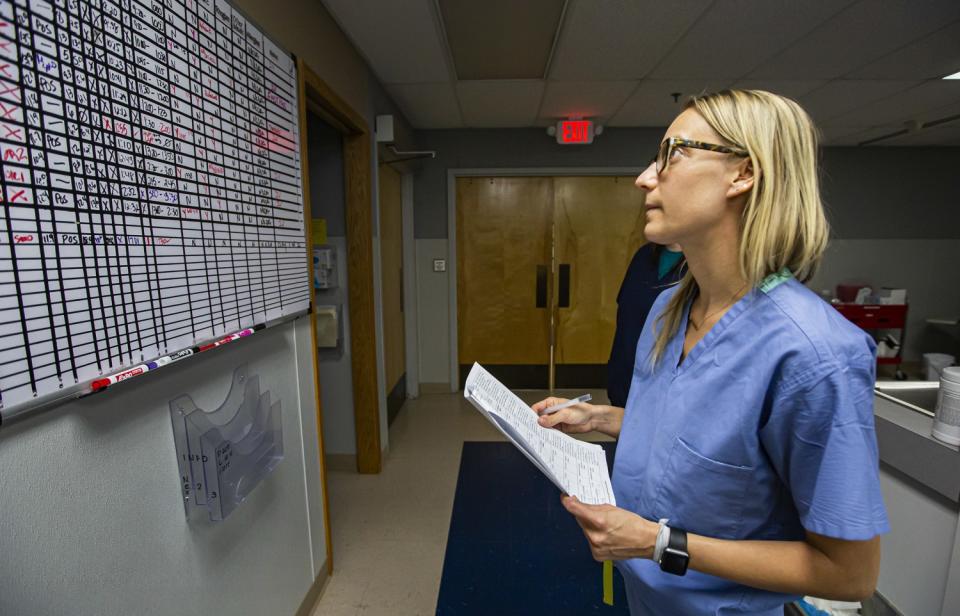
[576, 467]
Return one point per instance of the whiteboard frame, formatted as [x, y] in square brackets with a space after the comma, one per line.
[82, 390]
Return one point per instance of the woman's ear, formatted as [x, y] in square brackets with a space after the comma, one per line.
[743, 181]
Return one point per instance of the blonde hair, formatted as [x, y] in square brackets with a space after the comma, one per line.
[783, 224]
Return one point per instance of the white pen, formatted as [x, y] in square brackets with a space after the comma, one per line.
[563, 405]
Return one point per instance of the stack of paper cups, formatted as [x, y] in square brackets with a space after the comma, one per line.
[946, 425]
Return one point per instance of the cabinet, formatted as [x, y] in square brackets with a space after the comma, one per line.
[876, 317]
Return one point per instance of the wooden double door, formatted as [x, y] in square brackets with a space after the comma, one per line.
[539, 264]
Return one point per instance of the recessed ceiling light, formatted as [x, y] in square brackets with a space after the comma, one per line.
[954, 76]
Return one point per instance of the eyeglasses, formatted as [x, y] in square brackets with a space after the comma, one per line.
[667, 146]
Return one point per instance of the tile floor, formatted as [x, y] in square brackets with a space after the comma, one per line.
[390, 530]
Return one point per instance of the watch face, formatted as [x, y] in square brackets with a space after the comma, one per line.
[674, 561]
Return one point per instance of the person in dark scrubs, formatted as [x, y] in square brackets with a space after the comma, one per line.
[653, 269]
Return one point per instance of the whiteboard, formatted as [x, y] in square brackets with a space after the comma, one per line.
[150, 184]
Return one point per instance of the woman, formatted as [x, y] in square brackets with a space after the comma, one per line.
[747, 447]
[652, 269]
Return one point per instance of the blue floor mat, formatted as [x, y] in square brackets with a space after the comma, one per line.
[513, 548]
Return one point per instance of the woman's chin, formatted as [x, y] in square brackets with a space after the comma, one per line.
[654, 232]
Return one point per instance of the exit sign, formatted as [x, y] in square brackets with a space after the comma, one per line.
[575, 132]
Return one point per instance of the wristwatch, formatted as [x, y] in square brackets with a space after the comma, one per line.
[675, 557]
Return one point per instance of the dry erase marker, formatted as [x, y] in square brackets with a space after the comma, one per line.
[120, 376]
[169, 359]
[563, 405]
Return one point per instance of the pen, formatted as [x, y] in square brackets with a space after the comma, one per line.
[563, 405]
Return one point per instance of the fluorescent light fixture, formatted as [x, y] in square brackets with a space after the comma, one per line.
[954, 76]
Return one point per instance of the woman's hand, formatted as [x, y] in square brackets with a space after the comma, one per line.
[581, 417]
[613, 533]
[574, 419]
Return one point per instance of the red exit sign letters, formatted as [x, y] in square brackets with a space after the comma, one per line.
[578, 132]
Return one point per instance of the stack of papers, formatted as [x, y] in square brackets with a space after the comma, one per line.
[576, 467]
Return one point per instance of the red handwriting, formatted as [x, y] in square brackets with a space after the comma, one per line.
[215, 169]
[13, 91]
[3, 69]
[21, 195]
[206, 55]
[13, 133]
[8, 113]
[16, 176]
[18, 154]
[22, 239]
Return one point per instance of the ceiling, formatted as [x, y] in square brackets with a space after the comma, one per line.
[864, 69]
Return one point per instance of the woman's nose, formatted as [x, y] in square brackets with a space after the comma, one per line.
[647, 180]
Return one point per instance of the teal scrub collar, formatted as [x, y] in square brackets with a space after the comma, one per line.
[773, 281]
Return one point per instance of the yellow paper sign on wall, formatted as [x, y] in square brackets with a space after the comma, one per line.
[319, 231]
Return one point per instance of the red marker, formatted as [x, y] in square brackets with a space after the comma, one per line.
[120, 376]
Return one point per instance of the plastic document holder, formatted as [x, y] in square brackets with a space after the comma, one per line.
[225, 453]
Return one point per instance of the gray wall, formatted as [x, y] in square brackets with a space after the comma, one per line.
[886, 207]
[878, 192]
[325, 153]
[513, 148]
[92, 520]
[892, 193]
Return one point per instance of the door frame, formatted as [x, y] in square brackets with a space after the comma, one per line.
[452, 175]
[359, 190]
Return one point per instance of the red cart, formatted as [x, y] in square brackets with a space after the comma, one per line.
[871, 317]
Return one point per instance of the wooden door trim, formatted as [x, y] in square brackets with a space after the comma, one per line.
[360, 267]
[452, 175]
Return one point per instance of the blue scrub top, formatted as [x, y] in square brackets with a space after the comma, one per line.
[764, 430]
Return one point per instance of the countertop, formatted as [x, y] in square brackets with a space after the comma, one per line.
[906, 445]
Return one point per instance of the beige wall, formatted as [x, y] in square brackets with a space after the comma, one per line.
[305, 28]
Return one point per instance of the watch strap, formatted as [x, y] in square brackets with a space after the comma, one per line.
[675, 557]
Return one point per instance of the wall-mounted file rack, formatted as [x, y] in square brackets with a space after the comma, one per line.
[225, 453]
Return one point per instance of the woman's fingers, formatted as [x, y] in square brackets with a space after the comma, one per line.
[547, 403]
[560, 417]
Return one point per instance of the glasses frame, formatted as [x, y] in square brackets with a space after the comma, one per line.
[668, 145]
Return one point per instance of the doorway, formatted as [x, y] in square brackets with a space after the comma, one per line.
[391, 274]
[539, 264]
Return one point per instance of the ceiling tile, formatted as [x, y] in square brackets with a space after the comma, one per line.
[943, 135]
[931, 57]
[743, 34]
[859, 35]
[790, 89]
[842, 96]
[652, 104]
[501, 39]
[500, 103]
[378, 28]
[589, 99]
[612, 40]
[428, 105]
[833, 135]
[915, 103]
